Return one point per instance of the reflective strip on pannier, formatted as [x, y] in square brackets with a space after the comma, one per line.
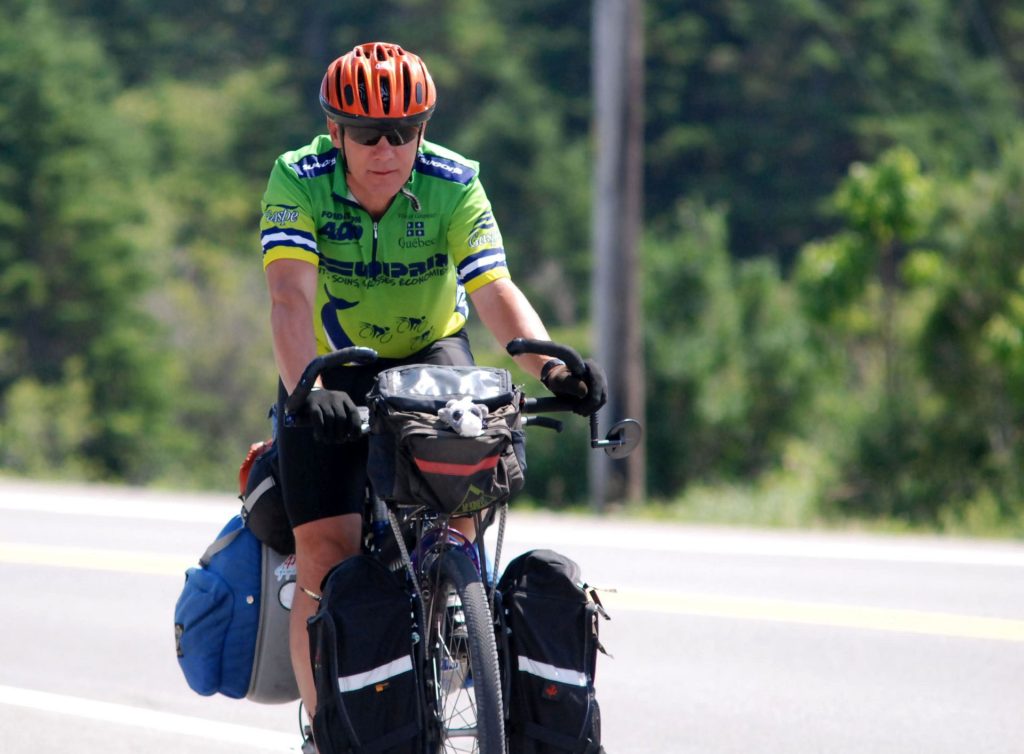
[549, 630]
[375, 675]
[367, 656]
[552, 673]
[258, 491]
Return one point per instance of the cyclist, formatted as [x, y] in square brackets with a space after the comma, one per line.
[365, 230]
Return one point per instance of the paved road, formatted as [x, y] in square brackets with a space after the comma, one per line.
[724, 641]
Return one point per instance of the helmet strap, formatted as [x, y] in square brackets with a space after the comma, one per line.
[404, 191]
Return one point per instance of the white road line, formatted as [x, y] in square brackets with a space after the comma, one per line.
[138, 717]
[118, 503]
[95, 559]
[617, 535]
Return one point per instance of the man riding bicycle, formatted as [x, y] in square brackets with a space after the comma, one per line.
[373, 236]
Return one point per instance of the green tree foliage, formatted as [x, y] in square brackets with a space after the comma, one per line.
[924, 340]
[729, 366]
[851, 285]
[833, 197]
[887, 209]
[972, 346]
[72, 277]
[207, 150]
[761, 106]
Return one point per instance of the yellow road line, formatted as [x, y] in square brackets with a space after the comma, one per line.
[664, 602]
[123, 561]
[818, 614]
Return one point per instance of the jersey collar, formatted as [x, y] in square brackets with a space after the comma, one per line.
[340, 191]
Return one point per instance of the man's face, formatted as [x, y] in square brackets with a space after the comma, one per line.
[376, 172]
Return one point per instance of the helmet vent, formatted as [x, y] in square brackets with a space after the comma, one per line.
[364, 100]
[337, 86]
[406, 89]
[350, 96]
[385, 94]
[419, 92]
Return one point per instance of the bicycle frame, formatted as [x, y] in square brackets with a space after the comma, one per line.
[432, 551]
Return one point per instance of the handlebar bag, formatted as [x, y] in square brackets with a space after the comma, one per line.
[548, 631]
[231, 620]
[418, 459]
[366, 655]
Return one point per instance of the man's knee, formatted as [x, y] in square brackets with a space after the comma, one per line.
[321, 545]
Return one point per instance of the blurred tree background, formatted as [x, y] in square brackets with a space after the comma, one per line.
[833, 256]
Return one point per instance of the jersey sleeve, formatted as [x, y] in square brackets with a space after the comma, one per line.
[475, 241]
[287, 230]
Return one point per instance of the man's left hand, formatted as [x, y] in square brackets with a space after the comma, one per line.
[589, 390]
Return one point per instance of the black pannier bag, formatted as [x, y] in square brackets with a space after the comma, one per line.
[417, 458]
[366, 657]
[259, 489]
[549, 620]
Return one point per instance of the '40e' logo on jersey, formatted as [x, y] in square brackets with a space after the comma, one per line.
[345, 231]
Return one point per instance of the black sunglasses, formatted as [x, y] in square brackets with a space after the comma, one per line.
[396, 137]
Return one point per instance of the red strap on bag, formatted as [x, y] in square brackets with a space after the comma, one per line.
[455, 469]
[255, 451]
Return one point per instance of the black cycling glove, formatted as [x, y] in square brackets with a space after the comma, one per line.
[333, 414]
[589, 389]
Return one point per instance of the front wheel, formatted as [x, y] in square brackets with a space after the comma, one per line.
[462, 662]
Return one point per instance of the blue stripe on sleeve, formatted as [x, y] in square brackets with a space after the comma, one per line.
[478, 271]
[287, 244]
[289, 232]
[467, 264]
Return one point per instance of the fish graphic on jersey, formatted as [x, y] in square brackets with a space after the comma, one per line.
[336, 335]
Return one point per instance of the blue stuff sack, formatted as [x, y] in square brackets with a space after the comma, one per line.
[231, 620]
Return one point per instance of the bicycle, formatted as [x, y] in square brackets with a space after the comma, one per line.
[462, 682]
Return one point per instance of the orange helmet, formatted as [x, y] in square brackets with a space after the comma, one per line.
[378, 84]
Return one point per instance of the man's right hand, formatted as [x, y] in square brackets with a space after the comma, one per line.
[333, 414]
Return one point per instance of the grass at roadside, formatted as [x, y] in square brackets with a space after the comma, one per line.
[787, 501]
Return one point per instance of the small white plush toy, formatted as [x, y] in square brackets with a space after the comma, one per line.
[464, 416]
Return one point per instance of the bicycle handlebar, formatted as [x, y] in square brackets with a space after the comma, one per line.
[621, 440]
[569, 355]
[350, 355]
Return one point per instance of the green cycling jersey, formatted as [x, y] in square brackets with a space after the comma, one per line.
[396, 284]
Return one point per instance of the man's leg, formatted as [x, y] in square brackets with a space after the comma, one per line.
[323, 486]
[319, 546]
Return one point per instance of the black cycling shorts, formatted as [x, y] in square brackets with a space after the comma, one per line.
[320, 480]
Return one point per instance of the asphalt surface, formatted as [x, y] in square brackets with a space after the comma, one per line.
[723, 640]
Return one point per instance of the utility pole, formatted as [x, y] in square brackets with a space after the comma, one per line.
[618, 83]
